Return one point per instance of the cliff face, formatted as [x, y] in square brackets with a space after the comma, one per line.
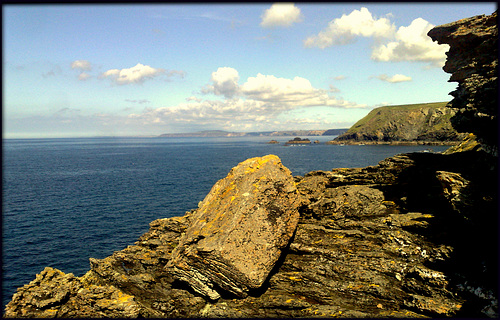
[428, 122]
[473, 63]
[414, 236]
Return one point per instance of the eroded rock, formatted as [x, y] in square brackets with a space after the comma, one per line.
[239, 230]
[473, 63]
[56, 294]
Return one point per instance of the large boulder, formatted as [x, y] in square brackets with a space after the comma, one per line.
[239, 230]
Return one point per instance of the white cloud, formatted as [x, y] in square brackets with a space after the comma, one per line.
[281, 15]
[224, 82]
[409, 43]
[83, 76]
[412, 44]
[394, 79]
[345, 29]
[255, 104]
[296, 92]
[193, 98]
[340, 77]
[83, 65]
[137, 74]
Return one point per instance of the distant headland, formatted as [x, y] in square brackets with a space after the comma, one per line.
[221, 133]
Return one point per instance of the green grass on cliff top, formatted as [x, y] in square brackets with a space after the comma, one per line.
[381, 114]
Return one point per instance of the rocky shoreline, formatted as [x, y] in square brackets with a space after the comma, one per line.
[393, 143]
[414, 236]
[400, 239]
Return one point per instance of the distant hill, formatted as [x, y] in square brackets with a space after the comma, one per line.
[426, 122]
[221, 133]
[334, 132]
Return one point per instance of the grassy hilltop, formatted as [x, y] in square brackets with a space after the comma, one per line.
[424, 122]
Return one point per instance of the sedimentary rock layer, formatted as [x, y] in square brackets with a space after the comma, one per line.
[239, 230]
[473, 63]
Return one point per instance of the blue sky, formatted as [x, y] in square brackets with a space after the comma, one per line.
[128, 70]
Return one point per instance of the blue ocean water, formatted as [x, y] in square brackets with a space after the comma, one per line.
[66, 200]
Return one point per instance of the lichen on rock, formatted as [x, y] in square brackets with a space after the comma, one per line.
[239, 230]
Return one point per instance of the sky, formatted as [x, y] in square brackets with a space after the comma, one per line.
[144, 70]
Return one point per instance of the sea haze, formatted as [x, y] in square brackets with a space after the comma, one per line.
[66, 200]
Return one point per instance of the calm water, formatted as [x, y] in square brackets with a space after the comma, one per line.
[65, 200]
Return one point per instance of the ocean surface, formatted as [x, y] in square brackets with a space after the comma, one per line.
[66, 200]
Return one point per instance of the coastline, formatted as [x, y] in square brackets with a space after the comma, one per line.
[394, 143]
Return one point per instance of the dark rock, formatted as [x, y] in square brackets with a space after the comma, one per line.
[298, 140]
[56, 294]
[473, 63]
[239, 230]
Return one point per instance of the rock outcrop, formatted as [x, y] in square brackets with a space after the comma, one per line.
[400, 239]
[239, 230]
[418, 124]
[473, 63]
[298, 141]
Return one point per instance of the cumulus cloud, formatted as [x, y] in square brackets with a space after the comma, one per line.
[281, 15]
[83, 65]
[136, 74]
[224, 82]
[256, 102]
[412, 44]
[409, 43]
[296, 92]
[345, 29]
[394, 79]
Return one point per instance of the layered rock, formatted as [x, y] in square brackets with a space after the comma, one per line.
[473, 63]
[239, 230]
[418, 124]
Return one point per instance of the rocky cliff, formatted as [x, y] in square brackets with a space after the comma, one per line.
[473, 63]
[419, 123]
[414, 236]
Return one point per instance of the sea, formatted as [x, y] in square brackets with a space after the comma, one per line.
[69, 199]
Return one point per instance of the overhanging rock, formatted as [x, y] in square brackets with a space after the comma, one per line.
[239, 230]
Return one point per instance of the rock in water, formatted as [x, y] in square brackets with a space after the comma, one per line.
[239, 230]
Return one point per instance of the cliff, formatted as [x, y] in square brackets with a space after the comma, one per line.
[414, 236]
[473, 63]
[423, 123]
